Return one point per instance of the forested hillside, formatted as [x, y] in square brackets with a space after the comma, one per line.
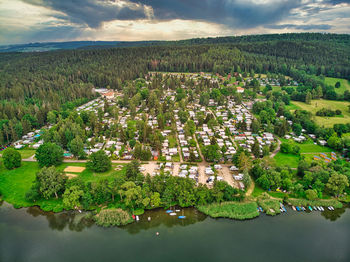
[32, 84]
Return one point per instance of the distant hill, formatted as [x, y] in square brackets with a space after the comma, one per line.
[43, 47]
[342, 39]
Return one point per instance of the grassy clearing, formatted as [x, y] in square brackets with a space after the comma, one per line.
[270, 206]
[172, 141]
[292, 106]
[286, 160]
[15, 183]
[323, 202]
[344, 84]
[277, 194]
[257, 191]
[26, 153]
[234, 210]
[308, 146]
[334, 105]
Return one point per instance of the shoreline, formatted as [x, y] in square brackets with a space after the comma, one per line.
[240, 211]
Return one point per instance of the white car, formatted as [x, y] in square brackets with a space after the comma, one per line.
[217, 167]
[233, 168]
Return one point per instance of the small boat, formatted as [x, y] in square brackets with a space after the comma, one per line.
[177, 210]
[281, 209]
[329, 208]
[284, 209]
[137, 218]
[322, 209]
[319, 208]
[315, 208]
[169, 211]
[303, 208]
[332, 207]
[310, 208]
[298, 209]
[293, 207]
[181, 217]
[261, 210]
[79, 211]
[173, 214]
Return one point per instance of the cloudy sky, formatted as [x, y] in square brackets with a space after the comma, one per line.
[24, 21]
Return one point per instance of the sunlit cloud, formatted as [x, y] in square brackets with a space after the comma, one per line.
[24, 21]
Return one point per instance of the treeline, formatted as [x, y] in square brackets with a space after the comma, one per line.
[131, 191]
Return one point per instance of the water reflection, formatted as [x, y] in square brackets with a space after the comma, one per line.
[77, 222]
[333, 215]
[58, 221]
[160, 217]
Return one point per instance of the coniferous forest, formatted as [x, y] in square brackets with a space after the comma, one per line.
[32, 84]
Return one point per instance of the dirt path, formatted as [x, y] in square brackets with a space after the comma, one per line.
[179, 148]
[149, 168]
[277, 149]
[176, 169]
[202, 178]
[250, 189]
[227, 176]
[199, 150]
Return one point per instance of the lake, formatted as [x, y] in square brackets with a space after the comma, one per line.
[29, 234]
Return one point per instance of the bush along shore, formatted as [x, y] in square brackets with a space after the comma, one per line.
[234, 210]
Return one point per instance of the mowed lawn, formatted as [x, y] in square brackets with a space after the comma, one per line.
[290, 160]
[307, 150]
[317, 105]
[15, 183]
[344, 84]
[26, 153]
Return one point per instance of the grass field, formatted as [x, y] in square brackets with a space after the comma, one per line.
[292, 106]
[307, 149]
[290, 160]
[15, 183]
[344, 84]
[26, 153]
[327, 121]
[308, 146]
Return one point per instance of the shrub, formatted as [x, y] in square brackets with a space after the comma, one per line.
[311, 194]
[113, 217]
[49, 154]
[11, 158]
[99, 162]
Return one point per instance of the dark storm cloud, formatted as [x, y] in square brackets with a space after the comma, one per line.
[336, 2]
[237, 13]
[232, 13]
[93, 12]
[300, 27]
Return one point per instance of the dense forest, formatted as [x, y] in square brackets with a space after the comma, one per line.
[32, 84]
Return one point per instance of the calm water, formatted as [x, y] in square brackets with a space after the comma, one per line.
[33, 235]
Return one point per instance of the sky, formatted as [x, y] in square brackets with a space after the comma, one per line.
[27, 21]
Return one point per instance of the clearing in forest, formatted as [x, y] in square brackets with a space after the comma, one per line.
[317, 105]
[344, 84]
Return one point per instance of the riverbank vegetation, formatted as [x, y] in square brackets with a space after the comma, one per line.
[233, 210]
[113, 217]
[269, 205]
[321, 202]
